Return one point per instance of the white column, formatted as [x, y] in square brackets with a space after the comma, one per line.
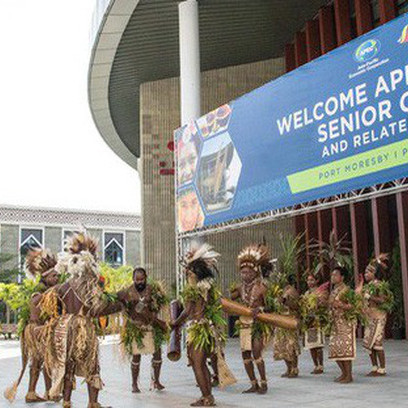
[189, 61]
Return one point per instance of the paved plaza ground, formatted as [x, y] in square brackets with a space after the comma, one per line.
[306, 391]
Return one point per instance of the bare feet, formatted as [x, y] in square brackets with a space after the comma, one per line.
[346, 380]
[338, 379]
[33, 397]
[254, 388]
[263, 389]
[372, 374]
[204, 402]
[285, 375]
[135, 389]
[158, 386]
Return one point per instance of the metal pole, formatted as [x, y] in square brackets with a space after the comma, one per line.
[189, 61]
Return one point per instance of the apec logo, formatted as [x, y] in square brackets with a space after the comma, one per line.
[404, 36]
[367, 50]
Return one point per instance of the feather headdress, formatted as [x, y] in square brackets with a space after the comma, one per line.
[40, 262]
[81, 242]
[379, 263]
[202, 260]
[203, 252]
[254, 256]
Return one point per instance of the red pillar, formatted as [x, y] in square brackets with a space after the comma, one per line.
[388, 10]
[327, 29]
[381, 229]
[311, 234]
[341, 223]
[300, 49]
[364, 19]
[324, 225]
[290, 61]
[313, 40]
[359, 234]
[402, 210]
[343, 21]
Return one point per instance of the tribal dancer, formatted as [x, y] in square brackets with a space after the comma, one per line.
[143, 331]
[72, 347]
[202, 310]
[286, 342]
[378, 302]
[40, 263]
[254, 335]
[342, 346]
[313, 306]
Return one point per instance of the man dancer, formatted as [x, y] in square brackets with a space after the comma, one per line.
[40, 263]
[317, 296]
[342, 346]
[254, 335]
[203, 312]
[286, 342]
[143, 332]
[378, 302]
[72, 346]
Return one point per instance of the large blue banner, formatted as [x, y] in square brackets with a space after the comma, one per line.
[331, 126]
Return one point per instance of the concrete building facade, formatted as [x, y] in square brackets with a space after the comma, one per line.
[23, 228]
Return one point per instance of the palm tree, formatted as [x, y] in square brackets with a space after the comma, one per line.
[330, 254]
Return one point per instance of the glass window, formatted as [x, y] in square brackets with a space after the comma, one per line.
[29, 238]
[65, 235]
[114, 248]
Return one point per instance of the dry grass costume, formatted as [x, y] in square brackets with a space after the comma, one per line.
[378, 302]
[254, 335]
[286, 342]
[205, 323]
[72, 347]
[143, 333]
[41, 263]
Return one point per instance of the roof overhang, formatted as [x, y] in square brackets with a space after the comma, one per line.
[136, 41]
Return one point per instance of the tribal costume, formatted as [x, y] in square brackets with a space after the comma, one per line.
[378, 303]
[345, 307]
[72, 347]
[286, 342]
[39, 263]
[143, 332]
[254, 335]
[205, 324]
[314, 314]
[342, 344]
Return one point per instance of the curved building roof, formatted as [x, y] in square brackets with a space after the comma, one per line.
[136, 41]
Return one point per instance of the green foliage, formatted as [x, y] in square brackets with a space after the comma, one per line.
[159, 297]
[190, 293]
[334, 253]
[116, 279]
[396, 288]
[291, 248]
[18, 297]
[313, 314]
[131, 333]
[382, 289]
[160, 336]
[272, 298]
[356, 301]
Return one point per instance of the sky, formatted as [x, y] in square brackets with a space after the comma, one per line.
[51, 154]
